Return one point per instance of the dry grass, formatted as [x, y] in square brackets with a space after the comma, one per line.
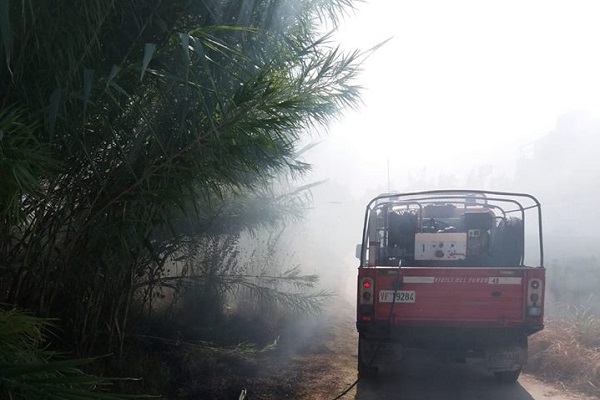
[567, 353]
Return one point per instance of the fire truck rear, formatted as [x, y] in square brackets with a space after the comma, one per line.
[445, 272]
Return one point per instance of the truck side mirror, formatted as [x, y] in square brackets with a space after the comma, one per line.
[358, 251]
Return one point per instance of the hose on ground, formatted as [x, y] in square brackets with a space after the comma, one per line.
[389, 323]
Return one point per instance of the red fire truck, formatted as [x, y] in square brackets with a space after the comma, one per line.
[445, 272]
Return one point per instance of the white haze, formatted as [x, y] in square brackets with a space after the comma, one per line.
[478, 94]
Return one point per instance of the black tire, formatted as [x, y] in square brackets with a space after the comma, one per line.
[507, 376]
[508, 242]
[365, 370]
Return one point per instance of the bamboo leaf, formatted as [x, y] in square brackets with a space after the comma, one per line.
[119, 89]
[6, 31]
[198, 48]
[149, 49]
[88, 78]
[69, 380]
[11, 370]
[110, 81]
[185, 46]
[53, 111]
[113, 73]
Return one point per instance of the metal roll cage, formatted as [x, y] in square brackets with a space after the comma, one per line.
[521, 201]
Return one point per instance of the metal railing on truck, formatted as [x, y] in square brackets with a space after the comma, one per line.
[521, 203]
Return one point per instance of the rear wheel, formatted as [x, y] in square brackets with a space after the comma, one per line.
[507, 376]
[366, 352]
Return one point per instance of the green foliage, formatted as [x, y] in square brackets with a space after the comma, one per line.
[23, 161]
[247, 274]
[29, 371]
[587, 326]
[134, 124]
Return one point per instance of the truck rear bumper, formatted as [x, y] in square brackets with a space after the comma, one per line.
[445, 338]
[503, 350]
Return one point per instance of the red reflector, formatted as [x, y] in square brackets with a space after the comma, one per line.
[534, 298]
[365, 318]
[366, 284]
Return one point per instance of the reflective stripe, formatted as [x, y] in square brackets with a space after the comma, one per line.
[418, 279]
[496, 280]
[493, 280]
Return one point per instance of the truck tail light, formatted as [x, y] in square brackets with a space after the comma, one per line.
[365, 309]
[534, 297]
[366, 291]
[534, 284]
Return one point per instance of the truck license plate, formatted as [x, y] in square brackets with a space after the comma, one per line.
[402, 296]
[505, 358]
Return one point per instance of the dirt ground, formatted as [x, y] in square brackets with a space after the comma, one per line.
[324, 366]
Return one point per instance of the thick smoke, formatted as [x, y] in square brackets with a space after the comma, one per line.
[560, 168]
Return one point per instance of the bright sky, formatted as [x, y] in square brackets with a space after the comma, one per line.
[461, 83]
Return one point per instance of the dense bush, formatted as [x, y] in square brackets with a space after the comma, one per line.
[140, 131]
